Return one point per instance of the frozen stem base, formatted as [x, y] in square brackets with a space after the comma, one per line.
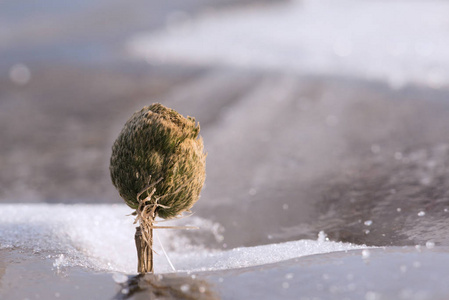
[144, 251]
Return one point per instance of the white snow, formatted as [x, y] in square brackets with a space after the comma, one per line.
[259, 255]
[102, 237]
[399, 42]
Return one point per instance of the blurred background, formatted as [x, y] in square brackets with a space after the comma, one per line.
[316, 114]
[68, 84]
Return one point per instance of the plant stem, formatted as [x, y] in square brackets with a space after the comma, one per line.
[144, 251]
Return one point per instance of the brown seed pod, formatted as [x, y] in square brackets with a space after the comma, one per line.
[160, 148]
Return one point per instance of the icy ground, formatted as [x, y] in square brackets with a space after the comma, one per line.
[102, 237]
[399, 42]
[72, 240]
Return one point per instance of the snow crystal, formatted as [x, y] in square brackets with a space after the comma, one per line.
[322, 237]
[430, 244]
[59, 262]
[368, 223]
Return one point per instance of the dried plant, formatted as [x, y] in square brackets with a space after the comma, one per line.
[158, 165]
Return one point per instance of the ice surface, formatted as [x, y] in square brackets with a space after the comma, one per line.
[394, 41]
[388, 273]
[102, 237]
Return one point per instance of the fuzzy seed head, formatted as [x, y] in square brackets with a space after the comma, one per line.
[159, 144]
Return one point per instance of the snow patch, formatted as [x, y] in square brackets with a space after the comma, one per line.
[102, 237]
[399, 42]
